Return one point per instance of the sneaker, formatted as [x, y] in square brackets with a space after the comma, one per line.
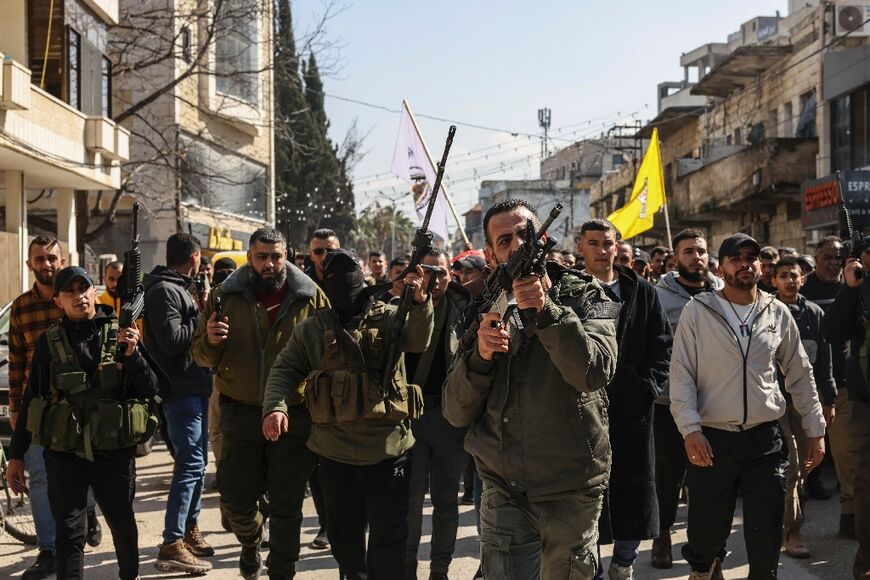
[467, 498]
[321, 542]
[794, 545]
[617, 572]
[715, 572]
[250, 562]
[95, 531]
[847, 526]
[196, 543]
[662, 557]
[177, 557]
[42, 568]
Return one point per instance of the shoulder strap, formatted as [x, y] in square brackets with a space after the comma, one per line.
[58, 344]
[110, 343]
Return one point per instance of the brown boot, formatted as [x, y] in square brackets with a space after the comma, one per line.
[794, 545]
[177, 557]
[196, 543]
[661, 552]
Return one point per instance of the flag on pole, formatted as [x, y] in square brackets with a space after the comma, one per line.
[412, 162]
[647, 196]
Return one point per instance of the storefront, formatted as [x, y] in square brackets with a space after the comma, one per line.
[821, 208]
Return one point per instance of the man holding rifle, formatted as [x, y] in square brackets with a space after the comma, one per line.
[534, 400]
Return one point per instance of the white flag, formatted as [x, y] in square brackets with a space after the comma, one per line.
[412, 163]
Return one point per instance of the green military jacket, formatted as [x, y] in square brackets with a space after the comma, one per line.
[241, 363]
[539, 418]
[358, 442]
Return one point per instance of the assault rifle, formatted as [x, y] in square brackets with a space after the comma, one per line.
[423, 245]
[529, 259]
[853, 246]
[130, 288]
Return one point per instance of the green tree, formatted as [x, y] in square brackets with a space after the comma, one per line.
[377, 228]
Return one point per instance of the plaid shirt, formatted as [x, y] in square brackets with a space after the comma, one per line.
[30, 317]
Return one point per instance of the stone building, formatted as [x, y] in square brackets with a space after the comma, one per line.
[58, 143]
[202, 151]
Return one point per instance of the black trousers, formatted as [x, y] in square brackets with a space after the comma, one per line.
[374, 495]
[670, 466]
[112, 475]
[755, 463]
[317, 496]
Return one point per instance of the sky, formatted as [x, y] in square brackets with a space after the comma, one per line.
[494, 64]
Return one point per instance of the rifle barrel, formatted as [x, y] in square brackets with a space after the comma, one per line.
[438, 177]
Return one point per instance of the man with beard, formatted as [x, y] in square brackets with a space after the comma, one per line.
[334, 364]
[727, 408]
[439, 457]
[658, 257]
[675, 290]
[643, 336]
[111, 276]
[261, 303]
[535, 403]
[822, 287]
[321, 242]
[171, 316]
[788, 279]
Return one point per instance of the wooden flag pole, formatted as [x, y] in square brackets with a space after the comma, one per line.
[443, 189]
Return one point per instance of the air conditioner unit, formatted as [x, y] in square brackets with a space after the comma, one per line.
[852, 18]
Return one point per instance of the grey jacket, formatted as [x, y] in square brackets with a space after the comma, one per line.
[714, 385]
[674, 298]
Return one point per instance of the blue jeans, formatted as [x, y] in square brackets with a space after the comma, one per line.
[43, 519]
[187, 425]
[624, 554]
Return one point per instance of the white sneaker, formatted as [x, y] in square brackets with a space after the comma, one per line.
[617, 572]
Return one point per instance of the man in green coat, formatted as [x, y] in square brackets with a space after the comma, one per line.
[334, 363]
[261, 303]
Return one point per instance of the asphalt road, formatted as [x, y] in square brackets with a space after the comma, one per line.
[831, 557]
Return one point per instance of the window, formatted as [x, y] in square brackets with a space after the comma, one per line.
[787, 122]
[106, 87]
[773, 124]
[74, 66]
[840, 133]
[185, 44]
[617, 159]
[738, 139]
[850, 130]
[806, 125]
[215, 178]
[236, 52]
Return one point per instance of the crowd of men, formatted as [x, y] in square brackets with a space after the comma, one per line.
[581, 425]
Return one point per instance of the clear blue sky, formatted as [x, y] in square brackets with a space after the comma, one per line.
[495, 63]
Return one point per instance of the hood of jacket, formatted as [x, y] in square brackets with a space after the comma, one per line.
[674, 296]
[300, 285]
[165, 274]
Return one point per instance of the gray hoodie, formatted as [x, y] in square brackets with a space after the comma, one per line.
[674, 298]
[713, 384]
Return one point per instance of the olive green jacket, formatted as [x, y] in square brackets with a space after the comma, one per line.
[356, 442]
[241, 363]
[539, 417]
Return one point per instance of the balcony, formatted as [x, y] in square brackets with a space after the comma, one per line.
[55, 145]
[752, 179]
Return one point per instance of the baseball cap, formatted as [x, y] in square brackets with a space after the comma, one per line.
[65, 277]
[731, 245]
[808, 261]
[472, 261]
[642, 256]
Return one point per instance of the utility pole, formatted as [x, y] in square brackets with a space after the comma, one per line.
[544, 123]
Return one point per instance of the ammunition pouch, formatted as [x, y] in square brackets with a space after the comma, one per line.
[344, 396]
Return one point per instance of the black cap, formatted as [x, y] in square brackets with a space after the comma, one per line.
[731, 245]
[641, 256]
[472, 261]
[65, 277]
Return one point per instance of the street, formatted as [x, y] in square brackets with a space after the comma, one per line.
[832, 557]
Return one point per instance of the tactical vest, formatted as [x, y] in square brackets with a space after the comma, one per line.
[347, 385]
[86, 414]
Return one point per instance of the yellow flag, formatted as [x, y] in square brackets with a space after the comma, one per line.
[647, 196]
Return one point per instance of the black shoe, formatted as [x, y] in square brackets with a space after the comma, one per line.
[95, 530]
[816, 489]
[250, 562]
[467, 498]
[847, 526]
[438, 576]
[42, 568]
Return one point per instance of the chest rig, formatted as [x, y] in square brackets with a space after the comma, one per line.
[85, 413]
[347, 384]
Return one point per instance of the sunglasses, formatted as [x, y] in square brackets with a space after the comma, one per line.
[319, 251]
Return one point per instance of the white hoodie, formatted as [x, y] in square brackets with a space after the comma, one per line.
[713, 384]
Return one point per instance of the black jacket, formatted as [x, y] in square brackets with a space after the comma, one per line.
[823, 294]
[170, 322]
[85, 338]
[844, 321]
[644, 336]
[810, 320]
